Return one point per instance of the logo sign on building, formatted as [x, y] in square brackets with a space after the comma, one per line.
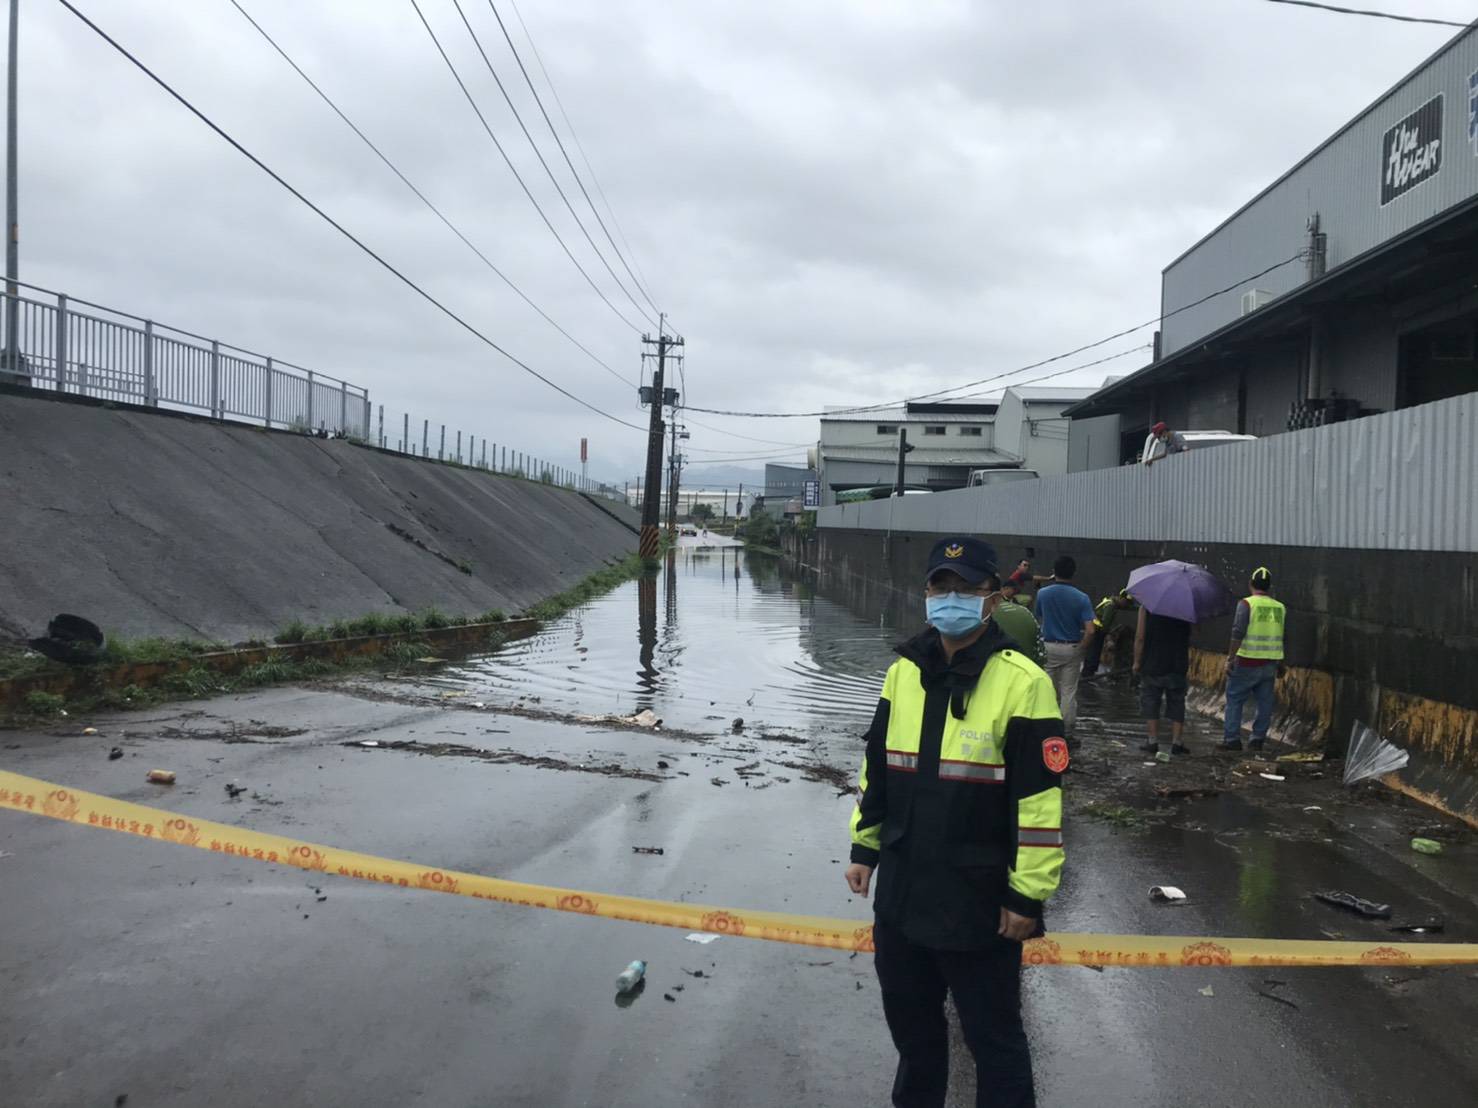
[1411, 151]
[1473, 110]
[813, 494]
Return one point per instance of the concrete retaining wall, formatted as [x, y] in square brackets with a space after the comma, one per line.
[1386, 637]
[151, 523]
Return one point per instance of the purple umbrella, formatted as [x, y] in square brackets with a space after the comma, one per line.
[1180, 590]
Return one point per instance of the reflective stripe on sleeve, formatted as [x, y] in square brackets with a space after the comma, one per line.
[898, 759]
[1039, 836]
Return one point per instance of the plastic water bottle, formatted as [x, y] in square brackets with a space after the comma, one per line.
[631, 976]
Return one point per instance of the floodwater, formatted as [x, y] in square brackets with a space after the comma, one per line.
[719, 634]
[181, 977]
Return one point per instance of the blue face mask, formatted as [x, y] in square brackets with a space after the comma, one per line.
[954, 615]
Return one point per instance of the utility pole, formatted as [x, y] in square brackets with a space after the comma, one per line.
[12, 210]
[672, 468]
[903, 451]
[652, 502]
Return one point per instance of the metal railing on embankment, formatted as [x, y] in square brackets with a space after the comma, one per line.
[1402, 480]
[49, 340]
[59, 343]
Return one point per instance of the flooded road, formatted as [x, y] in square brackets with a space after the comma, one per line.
[729, 635]
[180, 978]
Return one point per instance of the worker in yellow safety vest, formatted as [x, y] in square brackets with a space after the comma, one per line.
[960, 813]
[1254, 661]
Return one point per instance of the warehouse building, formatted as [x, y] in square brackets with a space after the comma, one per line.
[859, 450]
[1347, 287]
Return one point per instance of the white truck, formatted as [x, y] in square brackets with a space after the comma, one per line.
[1154, 449]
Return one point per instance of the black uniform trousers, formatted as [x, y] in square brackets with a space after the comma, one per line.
[986, 985]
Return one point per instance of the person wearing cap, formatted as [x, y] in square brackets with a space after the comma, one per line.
[960, 814]
[1105, 612]
[1174, 442]
[1253, 660]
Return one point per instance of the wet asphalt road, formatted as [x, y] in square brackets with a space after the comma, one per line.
[182, 978]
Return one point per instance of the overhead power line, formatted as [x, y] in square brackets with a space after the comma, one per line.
[1373, 14]
[645, 285]
[477, 42]
[514, 170]
[332, 222]
[737, 435]
[940, 393]
[566, 154]
[420, 195]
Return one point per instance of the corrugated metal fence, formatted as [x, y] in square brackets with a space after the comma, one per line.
[1404, 480]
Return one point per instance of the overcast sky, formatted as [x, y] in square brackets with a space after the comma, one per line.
[836, 202]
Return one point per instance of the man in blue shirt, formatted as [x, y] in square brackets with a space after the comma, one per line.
[1066, 616]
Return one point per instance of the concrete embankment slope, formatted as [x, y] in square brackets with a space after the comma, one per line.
[155, 524]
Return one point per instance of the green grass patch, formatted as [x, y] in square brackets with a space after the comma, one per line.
[597, 584]
[44, 703]
[1118, 815]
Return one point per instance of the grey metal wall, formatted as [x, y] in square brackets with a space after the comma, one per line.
[1342, 182]
[1405, 480]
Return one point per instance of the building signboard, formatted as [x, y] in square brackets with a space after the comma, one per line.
[1411, 151]
[813, 494]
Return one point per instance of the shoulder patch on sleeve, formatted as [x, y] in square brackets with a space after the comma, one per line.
[1055, 755]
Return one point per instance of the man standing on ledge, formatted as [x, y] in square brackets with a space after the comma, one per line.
[961, 807]
[1253, 661]
[1066, 615]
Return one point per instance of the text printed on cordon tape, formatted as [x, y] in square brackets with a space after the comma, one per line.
[42, 798]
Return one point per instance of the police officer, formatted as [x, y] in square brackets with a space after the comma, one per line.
[1253, 660]
[1105, 612]
[961, 813]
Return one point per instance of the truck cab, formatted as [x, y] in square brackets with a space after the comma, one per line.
[1195, 440]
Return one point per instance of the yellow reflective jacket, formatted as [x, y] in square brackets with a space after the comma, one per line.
[961, 791]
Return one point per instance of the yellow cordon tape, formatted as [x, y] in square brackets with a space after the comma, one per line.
[27, 794]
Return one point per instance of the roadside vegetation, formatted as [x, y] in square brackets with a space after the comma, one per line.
[203, 680]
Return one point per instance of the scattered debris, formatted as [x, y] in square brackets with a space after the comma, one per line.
[737, 725]
[631, 976]
[662, 765]
[430, 660]
[6, 854]
[1207, 991]
[647, 850]
[89, 730]
[719, 781]
[161, 776]
[1352, 903]
[701, 937]
[1426, 846]
[1274, 996]
[694, 972]
[368, 742]
[115, 754]
[1430, 927]
[669, 996]
[1371, 756]
[1303, 756]
[477, 704]
[1166, 892]
[859, 986]
[1440, 831]
[820, 963]
[1163, 757]
[1272, 777]
[1312, 808]
[233, 790]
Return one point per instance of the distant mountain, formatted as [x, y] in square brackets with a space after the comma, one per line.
[701, 476]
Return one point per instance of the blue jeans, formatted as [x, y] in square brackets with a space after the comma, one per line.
[1243, 681]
